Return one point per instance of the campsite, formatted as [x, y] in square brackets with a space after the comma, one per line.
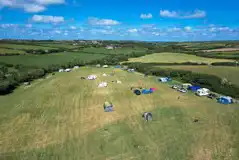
[69, 116]
[88, 104]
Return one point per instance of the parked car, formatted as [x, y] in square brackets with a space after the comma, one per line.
[183, 90]
[212, 96]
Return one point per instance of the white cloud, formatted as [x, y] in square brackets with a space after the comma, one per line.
[174, 14]
[133, 30]
[28, 25]
[187, 28]
[146, 16]
[48, 2]
[175, 29]
[30, 6]
[33, 8]
[73, 27]
[47, 19]
[102, 22]
[8, 25]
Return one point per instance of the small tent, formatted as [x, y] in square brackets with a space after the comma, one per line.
[105, 66]
[225, 100]
[131, 70]
[117, 66]
[67, 70]
[76, 67]
[98, 65]
[108, 107]
[147, 116]
[102, 84]
[119, 82]
[165, 79]
[194, 88]
[186, 85]
[92, 77]
[147, 91]
[61, 70]
[137, 92]
[104, 74]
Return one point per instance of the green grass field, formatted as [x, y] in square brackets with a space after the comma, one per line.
[21, 46]
[174, 58]
[125, 50]
[49, 59]
[230, 73]
[62, 117]
[10, 51]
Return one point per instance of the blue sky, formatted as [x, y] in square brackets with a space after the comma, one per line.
[149, 20]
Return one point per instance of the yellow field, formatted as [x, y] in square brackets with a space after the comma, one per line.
[174, 58]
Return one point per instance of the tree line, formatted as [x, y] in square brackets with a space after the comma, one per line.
[211, 82]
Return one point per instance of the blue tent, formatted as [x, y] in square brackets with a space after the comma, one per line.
[147, 91]
[224, 100]
[117, 67]
[194, 88]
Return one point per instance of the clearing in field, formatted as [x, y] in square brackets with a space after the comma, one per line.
[230, 73]
[62, 117]
[174, 58]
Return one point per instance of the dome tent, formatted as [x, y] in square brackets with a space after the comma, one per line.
[147, 116]
[108, 106]
[137, 92]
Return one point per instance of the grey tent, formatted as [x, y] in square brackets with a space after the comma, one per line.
[147, 116]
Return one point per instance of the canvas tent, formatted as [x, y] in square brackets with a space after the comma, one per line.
[61, 70]
[102, 84]
[186, 85]
[137, 92]
[67, 70]
[147, 116]
[105, 66]
[98, 65]
[75, 67]
[148, 91]
[225, 100]
[194, 88]
[131, 70]
[92, 77]
[108, 106]
[104, 74]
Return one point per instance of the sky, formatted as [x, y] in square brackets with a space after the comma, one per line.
[145, 20]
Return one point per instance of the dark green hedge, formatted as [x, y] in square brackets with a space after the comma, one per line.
[211, 82]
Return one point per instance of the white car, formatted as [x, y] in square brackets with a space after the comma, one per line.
[175, 86]
[182, 90]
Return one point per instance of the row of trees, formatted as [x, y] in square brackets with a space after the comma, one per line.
[211, 82]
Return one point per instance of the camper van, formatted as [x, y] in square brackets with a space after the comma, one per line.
[203, 92]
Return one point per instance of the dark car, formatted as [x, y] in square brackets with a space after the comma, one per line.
[212, 96]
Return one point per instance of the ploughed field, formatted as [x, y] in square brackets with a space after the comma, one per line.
[62, 117]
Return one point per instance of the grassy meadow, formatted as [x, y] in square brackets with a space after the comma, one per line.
[62, 117]
[11, 51]
[230, 73]
[23, 46]
[174, 58]
[49, 59]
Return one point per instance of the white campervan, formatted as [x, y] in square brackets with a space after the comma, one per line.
[203, 92]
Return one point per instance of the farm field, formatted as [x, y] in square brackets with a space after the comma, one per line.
[49, 59]
[222, 50]
[57, 45]
[21, 46]
[62, 117]
[10, 51]
[174, 58]
[230, 73]
[124, 50]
